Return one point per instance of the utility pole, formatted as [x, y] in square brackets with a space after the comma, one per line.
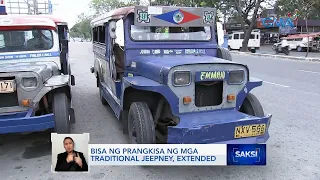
[307, 8]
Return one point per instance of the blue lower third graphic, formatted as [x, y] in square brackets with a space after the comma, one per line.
[246, 154]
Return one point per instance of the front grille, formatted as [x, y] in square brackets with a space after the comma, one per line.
[208, 93]
[8, 99]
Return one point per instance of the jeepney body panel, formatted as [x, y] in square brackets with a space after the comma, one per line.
[151, 61]
[27, 75]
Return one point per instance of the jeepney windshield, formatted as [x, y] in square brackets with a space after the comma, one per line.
[157, 33]
[25, 40]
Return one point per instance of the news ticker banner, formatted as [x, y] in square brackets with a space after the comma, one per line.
[177, 154]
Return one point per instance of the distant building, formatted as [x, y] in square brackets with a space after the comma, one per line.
[272, 27]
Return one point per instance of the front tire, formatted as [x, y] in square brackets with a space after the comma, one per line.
[299, 49]
[141, 127]
[61, 113]
[224, 54]
[252, 106]
[286, 51]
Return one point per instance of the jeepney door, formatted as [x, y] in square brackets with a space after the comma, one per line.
[110, 59]
[64, 48]
[115, 50]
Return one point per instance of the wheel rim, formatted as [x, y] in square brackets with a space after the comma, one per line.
[132, 132]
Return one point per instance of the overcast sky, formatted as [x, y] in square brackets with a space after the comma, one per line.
[70, 9]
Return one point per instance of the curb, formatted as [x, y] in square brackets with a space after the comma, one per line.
[278, 56]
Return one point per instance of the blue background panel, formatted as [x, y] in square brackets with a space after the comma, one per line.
[250, 154]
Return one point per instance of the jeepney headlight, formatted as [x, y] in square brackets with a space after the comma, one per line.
[236, 77]
[181, 78]
[29, 82]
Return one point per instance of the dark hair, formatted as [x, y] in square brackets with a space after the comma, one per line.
[68, 138]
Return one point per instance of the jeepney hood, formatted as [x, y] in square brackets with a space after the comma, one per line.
[44, 69]
[153, 67]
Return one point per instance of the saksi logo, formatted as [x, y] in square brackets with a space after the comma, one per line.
[246, 154]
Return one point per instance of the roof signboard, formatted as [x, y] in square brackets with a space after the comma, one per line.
[174, 16]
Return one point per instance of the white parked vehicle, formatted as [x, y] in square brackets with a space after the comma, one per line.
[299, 42]
[236, 38]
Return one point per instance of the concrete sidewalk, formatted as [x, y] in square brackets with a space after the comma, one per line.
[266, 51]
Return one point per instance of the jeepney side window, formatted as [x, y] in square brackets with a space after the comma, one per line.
[242, 36]
[119, 33]
[235, 36]
[102, 34]
[118, 49]
[252, 36]
[95, 34]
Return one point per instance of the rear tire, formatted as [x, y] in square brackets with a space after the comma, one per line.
[141, 127]
[299, 49]
[61, 113]
[252, 106]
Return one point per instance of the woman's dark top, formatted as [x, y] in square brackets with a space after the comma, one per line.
[63, 165]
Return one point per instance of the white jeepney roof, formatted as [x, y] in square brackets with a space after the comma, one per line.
[26, 20]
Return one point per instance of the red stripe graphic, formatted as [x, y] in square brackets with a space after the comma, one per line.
[188, 17]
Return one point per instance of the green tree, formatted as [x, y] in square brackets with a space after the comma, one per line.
[245, 12]
[104, 6]
[82, 28]
[283, 7]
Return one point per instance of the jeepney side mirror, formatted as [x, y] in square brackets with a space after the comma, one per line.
[112, 29]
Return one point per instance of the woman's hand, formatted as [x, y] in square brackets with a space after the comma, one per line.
[78, 160]
[69, 158]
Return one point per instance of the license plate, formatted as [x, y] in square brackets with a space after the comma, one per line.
[7, 86]
[249, 130]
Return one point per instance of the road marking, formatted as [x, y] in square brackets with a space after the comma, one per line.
[276, 84]
[310, 72]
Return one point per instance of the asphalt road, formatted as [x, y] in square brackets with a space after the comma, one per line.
[291, 92]
[267, 49]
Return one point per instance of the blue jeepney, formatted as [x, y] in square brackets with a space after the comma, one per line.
[165, 76]
[35, 75]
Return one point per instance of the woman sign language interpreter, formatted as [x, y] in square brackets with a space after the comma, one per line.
[71, 160]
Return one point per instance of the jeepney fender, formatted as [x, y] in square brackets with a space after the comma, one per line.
[142, 83]
[252, 83]
[53, 83]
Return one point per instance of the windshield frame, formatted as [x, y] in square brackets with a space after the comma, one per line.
[30, 30]
[160, 41]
